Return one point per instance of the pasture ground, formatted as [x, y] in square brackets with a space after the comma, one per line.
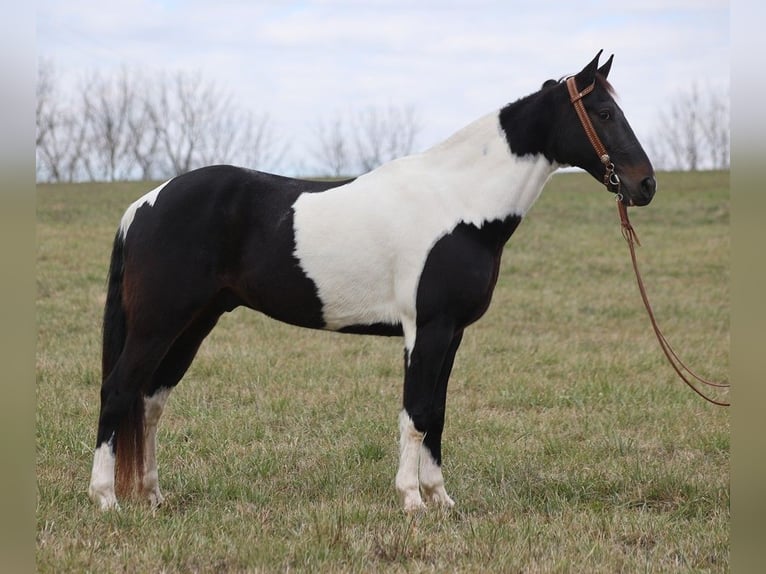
[570, 446]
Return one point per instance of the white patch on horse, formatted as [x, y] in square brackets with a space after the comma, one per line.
[130, 213]
[153, 407]
[101, 489]
[364, 244]
[432, 480]
[410, 442]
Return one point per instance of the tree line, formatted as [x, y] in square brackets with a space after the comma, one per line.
[131, 126]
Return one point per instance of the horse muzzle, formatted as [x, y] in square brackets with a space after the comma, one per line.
[638, 195]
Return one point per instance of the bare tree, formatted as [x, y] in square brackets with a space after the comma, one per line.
[257, 144]
[48, 162]
[715, 128]
[220, 127]
[693, 132]
[108, 104]
[77, 161]
[143, 131]
[198, 124]
[61, 132]
[45, 99]
[125, 127]
[180, 107]
[332, 148]
[384, 134]
[365, 140]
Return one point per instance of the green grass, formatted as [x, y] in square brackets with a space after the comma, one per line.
[569, 445]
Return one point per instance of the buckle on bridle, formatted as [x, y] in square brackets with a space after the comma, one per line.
[611, 179]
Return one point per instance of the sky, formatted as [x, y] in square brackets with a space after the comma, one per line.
[453, 61]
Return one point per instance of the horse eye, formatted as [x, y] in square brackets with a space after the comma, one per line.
[605, 115]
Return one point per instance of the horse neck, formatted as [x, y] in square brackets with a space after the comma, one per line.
[477, 169]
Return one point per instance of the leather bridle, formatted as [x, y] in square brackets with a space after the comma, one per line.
[612, 183]
[611, 179]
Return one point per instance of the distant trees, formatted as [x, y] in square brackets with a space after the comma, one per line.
[60, 138]
[363, 141]
[693, 132]
[131, 127]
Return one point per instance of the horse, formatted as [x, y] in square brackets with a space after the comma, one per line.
[410, 249]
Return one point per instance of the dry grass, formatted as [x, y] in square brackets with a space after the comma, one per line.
[569, 445]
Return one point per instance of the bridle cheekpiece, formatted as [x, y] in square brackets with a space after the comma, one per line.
[611, 179]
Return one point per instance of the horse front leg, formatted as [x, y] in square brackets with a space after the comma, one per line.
[431, 477]
[428, 364]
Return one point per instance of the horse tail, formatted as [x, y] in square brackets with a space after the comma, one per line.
[114, 327]
[129, 433]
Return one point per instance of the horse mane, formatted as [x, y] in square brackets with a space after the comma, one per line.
[604, 83]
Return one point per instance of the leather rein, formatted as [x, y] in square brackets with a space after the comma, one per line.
[612, 182]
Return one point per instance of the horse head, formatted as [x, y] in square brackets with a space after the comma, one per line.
[626, 169]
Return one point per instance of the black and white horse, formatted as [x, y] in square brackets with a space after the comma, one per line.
[410, 249]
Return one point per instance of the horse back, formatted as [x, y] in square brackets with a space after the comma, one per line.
[225, 232]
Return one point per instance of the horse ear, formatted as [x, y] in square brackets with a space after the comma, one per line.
[548, 83]
[588, 74]
[604, 70]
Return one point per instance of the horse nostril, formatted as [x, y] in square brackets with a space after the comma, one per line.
[649, 186]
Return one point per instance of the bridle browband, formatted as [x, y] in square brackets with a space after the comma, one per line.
[611, 179]
[612, 183]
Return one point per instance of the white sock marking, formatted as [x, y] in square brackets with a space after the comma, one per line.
[101, 489]
[410, 441]
[153, 407]
[432, 480]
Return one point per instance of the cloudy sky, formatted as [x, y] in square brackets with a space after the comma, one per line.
[310, 61]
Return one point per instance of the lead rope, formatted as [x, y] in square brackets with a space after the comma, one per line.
[678, 365]
[612, 183]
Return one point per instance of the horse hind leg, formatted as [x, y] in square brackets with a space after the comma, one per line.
[153, 407]
[118, 458]
[101, 487]
[173, 367]
[119, 461]
[133, 398]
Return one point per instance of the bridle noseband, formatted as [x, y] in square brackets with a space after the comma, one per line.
[611, 179]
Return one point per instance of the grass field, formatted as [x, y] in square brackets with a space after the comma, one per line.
[569, 444]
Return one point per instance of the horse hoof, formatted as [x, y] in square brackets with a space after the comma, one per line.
[104, 500]
[155, 499]
[413, 503]
[443, 500]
